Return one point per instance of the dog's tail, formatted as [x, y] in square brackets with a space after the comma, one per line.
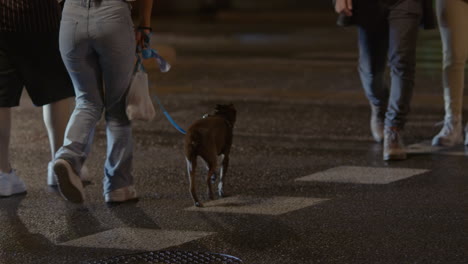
[192, 142]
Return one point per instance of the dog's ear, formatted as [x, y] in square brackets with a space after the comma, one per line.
[221, 108]
[217, 109]
[225, 109]
[229, 108]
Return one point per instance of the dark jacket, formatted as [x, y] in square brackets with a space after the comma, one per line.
[428, 20]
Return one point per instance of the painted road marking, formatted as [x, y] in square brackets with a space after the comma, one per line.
[136, 239]
[257, 205]
[426, 147]
[362, 175]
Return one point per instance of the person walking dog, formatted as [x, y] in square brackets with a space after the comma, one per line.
[98, 44]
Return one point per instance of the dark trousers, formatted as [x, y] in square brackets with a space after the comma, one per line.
[388, 33]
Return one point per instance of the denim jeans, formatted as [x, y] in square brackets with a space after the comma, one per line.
[97, 44]
[388, 32]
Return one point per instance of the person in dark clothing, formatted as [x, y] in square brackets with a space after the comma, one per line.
[387, 33]
[30, 58]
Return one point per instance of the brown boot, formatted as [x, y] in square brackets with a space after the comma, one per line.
[393, 147]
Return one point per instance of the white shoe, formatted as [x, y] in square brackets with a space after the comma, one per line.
[52, 178]
[450, 135]
[11, 184]
[121, 195]
[69, 182]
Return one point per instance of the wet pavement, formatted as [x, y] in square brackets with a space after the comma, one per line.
[306, 183]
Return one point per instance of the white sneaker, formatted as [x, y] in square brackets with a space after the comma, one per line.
[121, 195]
[450, 135]
[11, 184]
[69, 182]
[52, 178]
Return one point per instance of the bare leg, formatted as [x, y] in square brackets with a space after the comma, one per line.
[5, 127]
[56, 116]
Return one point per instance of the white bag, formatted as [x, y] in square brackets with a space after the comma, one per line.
[139, 103]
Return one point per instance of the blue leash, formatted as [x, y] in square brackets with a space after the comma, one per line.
[164, 66]
[169, 117]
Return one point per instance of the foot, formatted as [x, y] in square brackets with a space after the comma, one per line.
[377, 123]
[121, 195]
[393, 147]
[69, 182]
[450, 135]
[52, 178]
[10, 184]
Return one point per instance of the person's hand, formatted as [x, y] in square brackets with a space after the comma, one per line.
[141, 36]
[344, 7]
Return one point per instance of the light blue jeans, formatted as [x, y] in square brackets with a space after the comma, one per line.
[97, 44]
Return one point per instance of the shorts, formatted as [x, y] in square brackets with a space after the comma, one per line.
[33, 61]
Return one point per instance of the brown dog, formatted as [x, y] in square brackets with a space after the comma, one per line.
[209, 138]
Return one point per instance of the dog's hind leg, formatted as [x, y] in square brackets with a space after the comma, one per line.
[208, 182]
[211, 160]
[222, 173]
[191, 167]
[213, 177]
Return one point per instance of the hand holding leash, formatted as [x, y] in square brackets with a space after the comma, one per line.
[147, 52]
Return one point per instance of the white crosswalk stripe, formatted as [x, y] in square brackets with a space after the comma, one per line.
[362, 175]
[425, 147]
[137, 239]
[256, 205]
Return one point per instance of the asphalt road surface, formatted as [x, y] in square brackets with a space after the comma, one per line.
[306, 183]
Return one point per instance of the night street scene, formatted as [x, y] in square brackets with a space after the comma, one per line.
[315, 167]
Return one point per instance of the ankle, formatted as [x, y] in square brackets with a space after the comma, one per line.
[453, 119]
[392, 129]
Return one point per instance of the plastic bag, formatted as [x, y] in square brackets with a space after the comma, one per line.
[139, 103]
